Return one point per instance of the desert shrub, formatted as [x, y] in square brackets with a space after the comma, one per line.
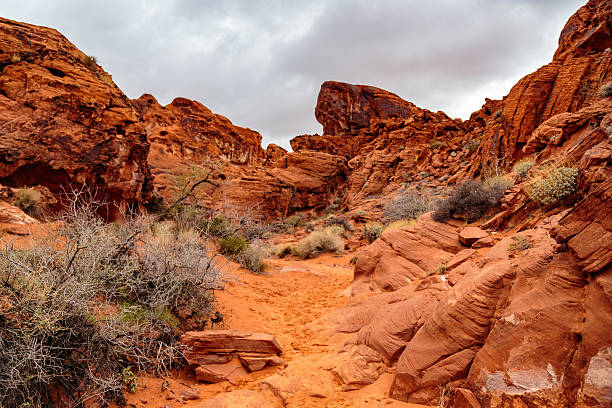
[285, 250]
[341, 221]
[252, 258]
[498, 185]
[316, 242]
[309, 227]
[471, 145]
[15, 58]
[436, 144]
[296, 220]
[256, 230]
[87, 306]
[106, 78]
[30, 201]
[372, 230]
[555, 185]
[471, 199]
[232, 245]
[606, 90]
[521, 169]
[400, 224]
[406, 206]
[90, 61]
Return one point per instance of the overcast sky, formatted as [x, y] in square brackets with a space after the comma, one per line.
[261, 63]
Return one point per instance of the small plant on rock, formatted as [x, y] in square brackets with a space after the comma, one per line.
[554, 185]
[518, 244]
[471, 145]
[30, 201]
[521, 169]
[606, 90]
[372, 230]
[498, 185]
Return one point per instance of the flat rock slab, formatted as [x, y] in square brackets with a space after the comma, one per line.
[207, 342]
[215, 373]
[469, 235]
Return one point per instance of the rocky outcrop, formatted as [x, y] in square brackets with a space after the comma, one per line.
[185, 133]
[63, 121]
[227, 355]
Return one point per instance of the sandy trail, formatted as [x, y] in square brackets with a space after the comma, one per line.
[287, 302]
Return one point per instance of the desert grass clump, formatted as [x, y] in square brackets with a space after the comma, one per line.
[317, 242]
[521, 169]
[400, 224]
[295, 220]
[471, 200]
[555, 185]
[407, 206]
[341, 221]
[85, 307]
[372, 230]
[30, 201]
[606, 90]
[285, 250]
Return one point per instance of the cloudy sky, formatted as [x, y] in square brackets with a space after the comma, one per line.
[261, 63]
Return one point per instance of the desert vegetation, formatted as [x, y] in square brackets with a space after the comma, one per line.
[471, 199]
[554, 184]
[406, 206]
[606, 90]
[88, 305]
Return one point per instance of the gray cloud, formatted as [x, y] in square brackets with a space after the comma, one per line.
[261, 63]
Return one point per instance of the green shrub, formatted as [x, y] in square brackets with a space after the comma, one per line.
[372, 230]
[521, 169]
[331, 208]
[341, 221]
[471, 199]
[317, 242]
[555, 185]
[232, 245]
[606, 90]
[406, 206]
[30, 201]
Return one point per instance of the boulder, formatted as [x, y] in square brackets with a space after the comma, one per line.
[465, 399]
[12, 215]
[468, 236]
[215, 373]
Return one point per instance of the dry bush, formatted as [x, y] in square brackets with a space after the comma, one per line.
[606, 90]
[399, 224]
[252, 258]
[471, 199]
[372, 230]
[498, 185]
[522, 168]
[87, 304]
[341, 221]
[554, 185]
[471, 145]
[407, 206]
[327, 240]
[30, 201]
[284, 250]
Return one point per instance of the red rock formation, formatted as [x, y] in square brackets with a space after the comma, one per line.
[186, 133]
[63, 121]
